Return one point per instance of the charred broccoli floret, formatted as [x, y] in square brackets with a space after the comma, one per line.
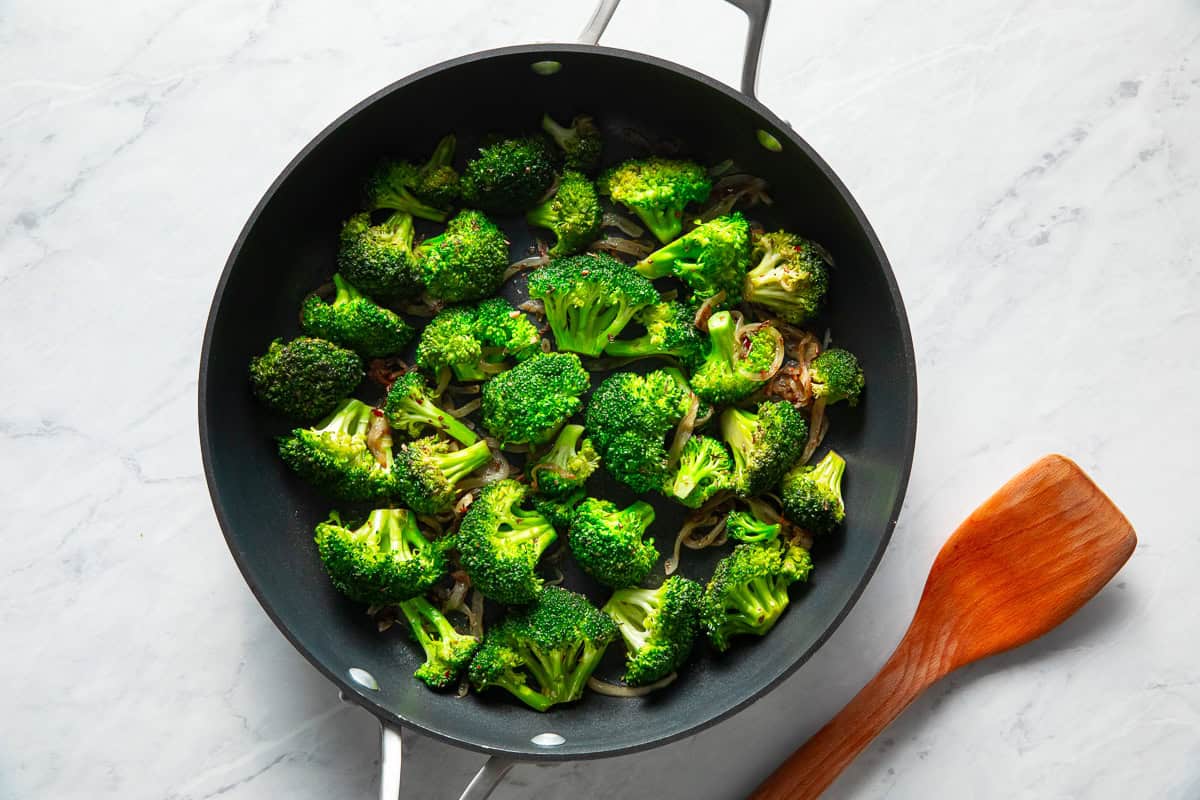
[607, 541]
[530, 402]
[789, 276]
[812, 495]
[735, 366]
[447, 652]
[573, 214]
[837, 376]
[565, 467]
[704, 469]
[658, 626]
[670, 331]
[544, 654]
[355, 321]
[427, 472]
[334, 455]
[657, 190]
[500, 542]
[589, 299]
[711, 258]
[424, 191]
[581, 143]
[509, 176]
[749, 589]
[747, 527]
[410, 408]
[304, 378]
[764, 444]
[379, 259]
[466, 261]
[383, 561]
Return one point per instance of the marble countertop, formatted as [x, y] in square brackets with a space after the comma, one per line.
[1032, 168]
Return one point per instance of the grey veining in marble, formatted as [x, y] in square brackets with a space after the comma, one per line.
[1031, 166]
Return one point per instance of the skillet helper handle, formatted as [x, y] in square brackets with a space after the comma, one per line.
[756, 11]
[391, 752]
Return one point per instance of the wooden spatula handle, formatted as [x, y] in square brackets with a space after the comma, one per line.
[811, 769]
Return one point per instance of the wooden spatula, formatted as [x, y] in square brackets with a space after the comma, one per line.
[1023, 562]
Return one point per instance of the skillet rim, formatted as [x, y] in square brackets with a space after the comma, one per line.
[351, 692]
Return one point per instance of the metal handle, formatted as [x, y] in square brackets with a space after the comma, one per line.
[391, 752]
[756, 12]
[486, 780]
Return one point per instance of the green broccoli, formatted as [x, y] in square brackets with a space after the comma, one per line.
[427, 472]
[379, 259]
[657, 190]
[749, 589]
[499, 543]
[474, 341]
[466, 261]
[764, 444]
[305, 378]
[424, 191]
[505, 331]
[509, 176]
[812, 495]
[530, 402]
[385, 560]
[745, 526]
[573, 214]
[447, 652]
[581, 143]
[607, 541]
[411, 408]
[704, 469]
[355, 321]
[735, 366]
[334, 455]
[790, 276]
[711, 258]
[559, 510]
[658, 626]
[837, 376]
[438, 182]
[670, 331]
[544, 654]
[565, 466]
[589, 299]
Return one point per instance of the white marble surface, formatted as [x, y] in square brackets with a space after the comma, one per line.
[1031, 166]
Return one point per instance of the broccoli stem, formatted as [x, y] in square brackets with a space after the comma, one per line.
[629, 608]
[827, 474]
[403, 200]
[400, 226]
[458, 464]
[561, 136]
[584, 667]
[665, 224]
[721, 330]
[422, 615]
[691, 473]
[345, 292]
[443, 154]
[535, 700]
[639, 515]
[469, 371]
[353, 418]
[423, 410]
[737, 427]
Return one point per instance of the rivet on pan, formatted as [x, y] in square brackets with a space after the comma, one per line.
[546, 67]
[768, 141]
[363, 679]
[548, 740]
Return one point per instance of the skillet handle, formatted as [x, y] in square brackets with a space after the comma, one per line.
[390, 757]
[756, 11]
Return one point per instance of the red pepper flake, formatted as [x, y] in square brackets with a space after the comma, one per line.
[377, 412]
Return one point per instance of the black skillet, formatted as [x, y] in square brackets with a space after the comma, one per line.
[287, 248]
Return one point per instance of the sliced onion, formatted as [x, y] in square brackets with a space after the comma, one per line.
[466, 408]
[683, 432]
[531, 262]
[433, 523]
[764, 510]
[617, 244]
[464, 502]
[458, 594]
[557, 579]
[600, 686]
[731, 190]
[743, 333]
[627, 226]
[463, 688]
[534, 307]
[379, 438]
[817, 426]
[719, 169]
[476, 616]
[706, 310]
[443, 382]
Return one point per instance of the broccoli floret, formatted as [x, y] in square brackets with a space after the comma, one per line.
[670, 331]
[589, 299]
[385, 560]
[499, 543]
[410, 408]
[427, 472]
[704, 469]
[566, 466]
[607, 541]
[305, 378]
[573, 214]
[379, 259]
[530, 402]
[447, 652]
[544, 654]
[474, 341]
[749, 589]
[509, 177]
[711, 258]
[466, 261]
[424, 191]
[747, 527]
[559, 510]
[355, 321]
[438, 183]
[334, 456]
[504, 331]
[581, 143]
[764, 444]
[812, 495]
[734, 367]
[790, 276]
[837, 376]
[657, 190]
[658, 626]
